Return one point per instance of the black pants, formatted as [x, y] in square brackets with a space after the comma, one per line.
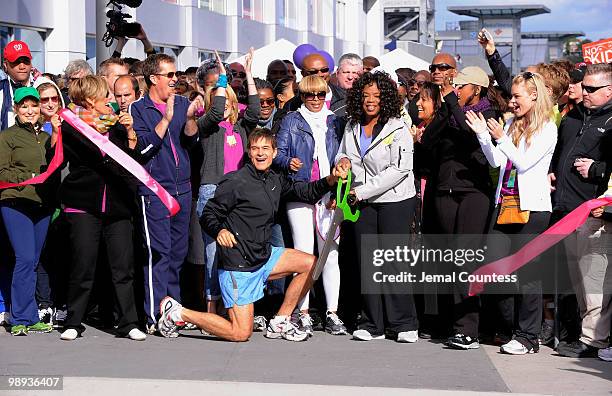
[394, 313]
[86, 233]
[528, 301]
[462, 213]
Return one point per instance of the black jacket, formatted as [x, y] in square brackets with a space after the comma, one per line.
[337, 104]
[92, 175]
[246, 203]
[455, 158]
[501, 73]
[582, 134]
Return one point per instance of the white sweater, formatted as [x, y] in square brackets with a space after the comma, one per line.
[531, 164]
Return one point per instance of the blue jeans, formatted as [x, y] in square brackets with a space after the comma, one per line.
[211, 282]
[27, 229]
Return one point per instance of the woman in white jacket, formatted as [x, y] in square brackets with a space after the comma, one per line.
[523, 151]
[378, 147]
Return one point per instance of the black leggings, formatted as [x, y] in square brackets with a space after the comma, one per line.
[392, 312]
[528, 301]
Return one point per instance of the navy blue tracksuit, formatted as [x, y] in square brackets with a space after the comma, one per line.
[167, 161]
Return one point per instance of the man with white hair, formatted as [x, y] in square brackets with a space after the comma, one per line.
[350, 68]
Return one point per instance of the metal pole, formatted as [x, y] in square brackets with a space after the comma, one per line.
[102, 53]
[423, 22]
[516, 46]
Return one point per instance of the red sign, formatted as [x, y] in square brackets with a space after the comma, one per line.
[598, 52]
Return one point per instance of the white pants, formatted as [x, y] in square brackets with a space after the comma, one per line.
[302, 220]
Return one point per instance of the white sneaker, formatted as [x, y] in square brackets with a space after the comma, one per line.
[605, 354]
[5, 318]
[411, 336]
[136, 335]
[364, 335]
[284, 328]
[516, 348]
[69, 335]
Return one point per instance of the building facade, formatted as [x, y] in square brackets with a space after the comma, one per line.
[58, 31]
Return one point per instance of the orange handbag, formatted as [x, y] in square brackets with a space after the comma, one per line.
[510, 211]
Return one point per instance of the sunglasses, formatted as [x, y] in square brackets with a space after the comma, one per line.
[415, 82]
[590, 89]
[54, 99]
[527, 75]
[169, 75]
[316, 71]
[25, 60]
[440, 66]
[267, 102]
[312, 95]
[238, 74]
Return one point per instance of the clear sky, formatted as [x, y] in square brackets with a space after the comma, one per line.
[593, 17]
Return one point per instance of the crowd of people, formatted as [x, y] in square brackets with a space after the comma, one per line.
[251, 163]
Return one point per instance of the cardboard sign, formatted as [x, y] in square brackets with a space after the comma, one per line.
[598, 52]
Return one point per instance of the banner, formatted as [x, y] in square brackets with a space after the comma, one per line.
[123, 159]
[539, 245]
[598, 52]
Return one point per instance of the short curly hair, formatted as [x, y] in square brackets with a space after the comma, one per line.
[389, 99]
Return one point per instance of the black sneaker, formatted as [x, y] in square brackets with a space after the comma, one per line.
[577, 349]
[547, 335]
[460, 341]
[333, 324]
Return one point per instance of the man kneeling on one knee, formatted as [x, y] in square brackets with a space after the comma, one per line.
[241, 215]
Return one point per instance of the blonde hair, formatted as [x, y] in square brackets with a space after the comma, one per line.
[88, 87]
[312, 84]
[229, 95]
[541, 112]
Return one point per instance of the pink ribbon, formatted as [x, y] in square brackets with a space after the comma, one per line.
[537, 246]
[55, 163]
[123, 159]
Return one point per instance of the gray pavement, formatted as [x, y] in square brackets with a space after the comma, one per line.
[99, 361]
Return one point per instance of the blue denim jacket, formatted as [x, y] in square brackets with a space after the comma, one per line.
[295, 140]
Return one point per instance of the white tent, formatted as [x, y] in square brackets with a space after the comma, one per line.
[280, 49]
[399, 58]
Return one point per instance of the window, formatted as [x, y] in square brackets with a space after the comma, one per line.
[291, 8]
[253, 10]
[213, 5]
[280, 12]
[34, 39]
[340, 18]
[166, 50]
[90, 47]
[208, 54]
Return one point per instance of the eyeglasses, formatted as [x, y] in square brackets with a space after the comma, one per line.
[440, 66]
[238, 74]
[23, 59]
[590, 89]
[316, 71]
[169, 75]
[415, 82]
[48, 99]
[312, 95]
[268, 102]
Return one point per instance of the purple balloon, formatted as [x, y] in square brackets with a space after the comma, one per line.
[301, 52]
[329, 59]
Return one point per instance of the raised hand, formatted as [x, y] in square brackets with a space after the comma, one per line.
[486, 41]
[220, 64]
[169, 108]
[495, 128]
[127, 121]
[476, 122]
[194, 106]
[248, 60]
[295, 164]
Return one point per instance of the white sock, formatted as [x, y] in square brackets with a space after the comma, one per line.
[279, 318]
